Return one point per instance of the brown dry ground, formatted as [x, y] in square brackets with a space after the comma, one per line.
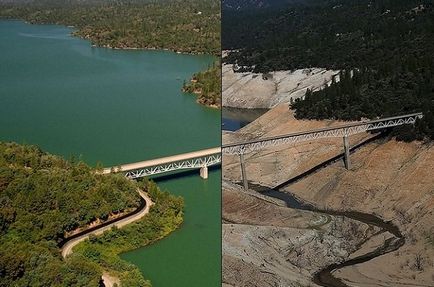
[272, 166]
[265, 243]
[393, 180]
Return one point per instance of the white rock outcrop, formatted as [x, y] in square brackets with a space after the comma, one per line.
[251, 90]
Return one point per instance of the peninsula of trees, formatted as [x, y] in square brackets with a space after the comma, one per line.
[44, 197]
[383, 48]
[207, 86]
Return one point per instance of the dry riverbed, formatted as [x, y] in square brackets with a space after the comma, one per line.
[392, 180]
[265, 243]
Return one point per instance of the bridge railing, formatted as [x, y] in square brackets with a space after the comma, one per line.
[201, 162]
[197, 159]
[343, 131]
[338, 131]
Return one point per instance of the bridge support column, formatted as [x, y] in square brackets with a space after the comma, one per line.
[204, 172]
[346, 153]
[243, 172]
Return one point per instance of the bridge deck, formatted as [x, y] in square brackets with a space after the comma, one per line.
[164, 160]
[340, 127]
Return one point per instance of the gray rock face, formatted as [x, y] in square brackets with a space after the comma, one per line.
[251, 91]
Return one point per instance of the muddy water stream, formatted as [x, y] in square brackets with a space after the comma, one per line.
[325, 276]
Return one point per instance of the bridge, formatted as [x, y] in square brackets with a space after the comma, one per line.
[343, 131]
[201, 159]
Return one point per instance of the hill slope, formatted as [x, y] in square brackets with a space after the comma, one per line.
[188, 26]
[42, 197]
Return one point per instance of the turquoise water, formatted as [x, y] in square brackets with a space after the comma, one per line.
[112, 106]
[106, 105]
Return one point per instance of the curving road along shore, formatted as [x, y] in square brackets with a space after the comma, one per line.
[109, 280]
[67, 247]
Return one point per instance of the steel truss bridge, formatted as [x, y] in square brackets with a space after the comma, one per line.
[343, 131]
[198, 159]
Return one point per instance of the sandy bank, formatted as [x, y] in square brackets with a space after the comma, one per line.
[394, 181]
[110, 281]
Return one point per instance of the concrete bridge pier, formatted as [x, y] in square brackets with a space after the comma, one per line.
[347, 152]
[204, 172]
[243, 172]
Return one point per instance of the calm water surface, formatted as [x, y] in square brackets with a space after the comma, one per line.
[234, 119]
[188, 257]
[112, 106]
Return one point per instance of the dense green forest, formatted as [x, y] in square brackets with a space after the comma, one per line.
[384, 48]
[241, 5]
[191, 26]
[43, 196]
[333, 34]
[207, 85]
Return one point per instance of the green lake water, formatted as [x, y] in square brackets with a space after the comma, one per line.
[191, 255]
[113, 107]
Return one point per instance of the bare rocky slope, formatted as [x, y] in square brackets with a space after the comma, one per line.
[393, 180]
[251, 90]
[272, 166]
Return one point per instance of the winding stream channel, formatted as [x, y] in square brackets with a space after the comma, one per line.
[325, 276]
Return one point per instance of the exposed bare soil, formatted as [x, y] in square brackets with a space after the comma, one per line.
[392, 180]
[395, 181]
[273, 166]
[266, 243]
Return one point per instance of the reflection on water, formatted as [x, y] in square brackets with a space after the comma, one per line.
[46, 36]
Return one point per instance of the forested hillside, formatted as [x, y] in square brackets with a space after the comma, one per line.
[191, 26]
[387, 45]
[239, 5]
[42, 197]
